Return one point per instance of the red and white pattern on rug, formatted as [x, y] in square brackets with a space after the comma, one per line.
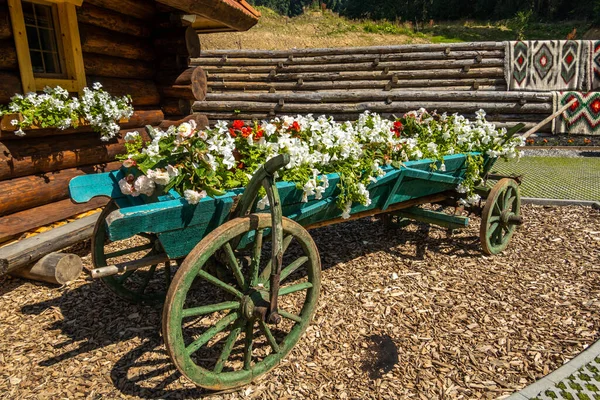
[539, 65]
[582, 117]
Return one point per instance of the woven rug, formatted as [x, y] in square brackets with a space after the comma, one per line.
[594, 68]
[583, 117]
[539, 65]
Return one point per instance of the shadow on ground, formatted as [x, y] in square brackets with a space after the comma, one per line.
[94, 318]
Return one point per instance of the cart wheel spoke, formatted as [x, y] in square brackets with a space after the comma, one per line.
[497, 235]
[208, 309]
[219, 283]
[255, 263]
[149, 274]
[290, 269]
[129, 250]
[270, 338]
[248, 345]
[234, 265]
[493, 219]
[231, 339]
[507, 195]
[122, 278]
[290, 316]
[211, 333]
[266, 273]
[295, 288]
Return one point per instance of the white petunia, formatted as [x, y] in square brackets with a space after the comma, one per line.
[144, 185]
[193, 197]
[131, 136]
[159, 176]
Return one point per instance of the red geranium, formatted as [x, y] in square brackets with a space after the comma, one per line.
[259, 133]
[246, 131]
[232, 132]
[238, 124]
[295, 126]
[398, 127]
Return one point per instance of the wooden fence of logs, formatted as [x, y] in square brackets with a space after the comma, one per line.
[344, 82]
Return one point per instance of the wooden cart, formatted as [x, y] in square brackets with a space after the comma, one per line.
[246, 283]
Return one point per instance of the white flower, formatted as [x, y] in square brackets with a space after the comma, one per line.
[19, 132]
[143, 185]
[262, 203]
[125, 187]
[172, 171]
[14, 122]
[194, 197]
[187, 129]
[159, 176]
[131, 136]
[346, 210]
[129, 163]
[443, 167]
[97, 86]
[203, 135]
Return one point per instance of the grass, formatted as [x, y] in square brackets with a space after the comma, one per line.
[556, 177]
[327, 29]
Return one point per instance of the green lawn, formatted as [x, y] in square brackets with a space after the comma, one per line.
[556, 177]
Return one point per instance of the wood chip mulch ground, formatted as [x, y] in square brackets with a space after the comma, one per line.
[406, 313]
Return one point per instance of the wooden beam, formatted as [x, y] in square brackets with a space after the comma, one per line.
[26, 251]
[56, 268]
[23, 221]
[229, 12]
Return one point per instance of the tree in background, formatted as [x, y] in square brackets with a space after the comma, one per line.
[424, 10]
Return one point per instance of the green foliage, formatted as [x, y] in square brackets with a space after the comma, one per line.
[520, 23]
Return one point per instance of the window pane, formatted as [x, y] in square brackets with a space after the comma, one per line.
[47, 40]
[42, 38]
[37, 63]
[43, 15]
[33, 38]
[51, 63]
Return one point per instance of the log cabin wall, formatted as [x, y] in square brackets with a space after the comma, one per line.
[344, 82]
[131, 47]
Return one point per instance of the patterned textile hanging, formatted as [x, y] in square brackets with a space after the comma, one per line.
[583, 117]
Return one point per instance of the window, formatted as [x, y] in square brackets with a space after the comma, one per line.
[48, 45]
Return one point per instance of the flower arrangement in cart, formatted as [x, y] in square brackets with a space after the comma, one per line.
[208, 162]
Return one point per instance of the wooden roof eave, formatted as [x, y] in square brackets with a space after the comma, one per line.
[236, 15]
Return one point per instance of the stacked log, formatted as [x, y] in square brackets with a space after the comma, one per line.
[344, 82]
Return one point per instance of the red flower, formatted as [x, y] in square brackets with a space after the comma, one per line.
[398, 127]
[232, 132]
[246, 131]
[241, 165]
[295, 126]
[259, 133]
[238, 124]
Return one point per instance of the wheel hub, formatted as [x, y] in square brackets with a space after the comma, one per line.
[254, 305]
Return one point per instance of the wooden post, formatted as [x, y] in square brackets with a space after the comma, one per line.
[57, 268]
[190, 84]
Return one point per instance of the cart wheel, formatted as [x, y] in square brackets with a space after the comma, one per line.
[501, 215]
[144, 285]
[204, 317]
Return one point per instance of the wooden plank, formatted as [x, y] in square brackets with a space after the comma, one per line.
[353, 58]
[434, 217]
[5, 25]
[20, 36]
[143, 10]
[84, 188]
[113, 20]
[367, 66]
[23, 221]
[143, 91]
[337, 96]
[117, 67]
[29, 250]
[355, 50]
[106, 42]
[8, 55]
[36, 190]
[71, 45]
[374, 106]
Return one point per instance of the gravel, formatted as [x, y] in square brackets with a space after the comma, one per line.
[404, 313]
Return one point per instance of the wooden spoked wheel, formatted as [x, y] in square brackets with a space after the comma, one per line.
[144, 285]
[500, 217]
[212, 327]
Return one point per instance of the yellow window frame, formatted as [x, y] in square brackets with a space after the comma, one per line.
[71, 44]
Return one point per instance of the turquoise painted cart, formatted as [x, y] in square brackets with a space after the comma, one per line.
[241, 286]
